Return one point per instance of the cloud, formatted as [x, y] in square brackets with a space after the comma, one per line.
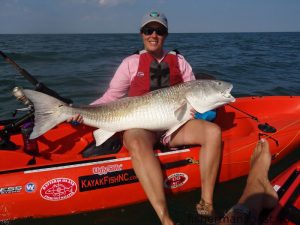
[114, 2]
[102, 3]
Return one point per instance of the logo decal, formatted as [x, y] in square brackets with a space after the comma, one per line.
[10, 190]
[154, 14]
[93, 182]
[58, 189]
[176, 180]
[107, 169]
[30, 187]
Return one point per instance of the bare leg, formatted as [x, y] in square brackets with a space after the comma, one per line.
[258, 193]
[140, 143]
[208, 135]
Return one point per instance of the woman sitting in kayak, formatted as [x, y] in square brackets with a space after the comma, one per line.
[151, 69]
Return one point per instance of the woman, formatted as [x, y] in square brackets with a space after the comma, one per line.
[150, 69]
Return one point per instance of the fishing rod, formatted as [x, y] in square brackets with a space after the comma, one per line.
[248, 114]
[39, 86]
[265, 127]
[15, 125]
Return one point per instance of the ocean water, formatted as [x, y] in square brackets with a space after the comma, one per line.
[80, 67]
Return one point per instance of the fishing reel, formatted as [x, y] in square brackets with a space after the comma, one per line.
[13, 126]
[20, 96]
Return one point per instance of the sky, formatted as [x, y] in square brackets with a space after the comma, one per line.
[124, 16]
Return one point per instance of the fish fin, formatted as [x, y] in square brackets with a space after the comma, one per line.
[46, 112]
[102, 135]
[169, 132]
[201, 108]
[180, 112]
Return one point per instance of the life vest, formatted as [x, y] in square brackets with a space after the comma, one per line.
[152, 75]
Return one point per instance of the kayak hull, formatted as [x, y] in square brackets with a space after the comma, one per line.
[287, 186]
[60, 181]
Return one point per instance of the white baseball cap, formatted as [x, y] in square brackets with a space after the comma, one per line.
[155, 16]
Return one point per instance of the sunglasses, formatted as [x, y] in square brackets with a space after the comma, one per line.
[159, 31]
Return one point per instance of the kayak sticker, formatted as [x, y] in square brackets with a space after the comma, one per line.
[94, 182]
[10, 190]
[58, 189]
[175, 180]
[107, 169]
[30, 187]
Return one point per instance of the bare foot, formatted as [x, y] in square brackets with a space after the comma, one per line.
[260, 164]
[261, 158]
[205, 209]
[259, 192]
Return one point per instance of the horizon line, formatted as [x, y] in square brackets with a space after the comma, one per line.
[217, 32]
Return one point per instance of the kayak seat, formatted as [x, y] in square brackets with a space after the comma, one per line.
[163, 148]
[114, 144]
[111, 146]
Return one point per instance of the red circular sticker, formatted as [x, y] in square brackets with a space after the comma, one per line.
[176, 180]
[58, 189]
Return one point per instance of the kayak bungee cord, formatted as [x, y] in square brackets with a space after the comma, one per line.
[274, 156]
[267, 128]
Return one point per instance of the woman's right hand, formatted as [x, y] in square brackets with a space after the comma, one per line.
[75, 119]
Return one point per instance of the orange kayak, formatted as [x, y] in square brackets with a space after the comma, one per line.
[287, 185]
[60, 180]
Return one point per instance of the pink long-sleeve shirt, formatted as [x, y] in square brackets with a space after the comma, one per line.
[126, 72]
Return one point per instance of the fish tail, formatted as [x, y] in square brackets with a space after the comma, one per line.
[47, 113]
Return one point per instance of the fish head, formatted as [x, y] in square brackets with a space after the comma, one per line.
[205, 95]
